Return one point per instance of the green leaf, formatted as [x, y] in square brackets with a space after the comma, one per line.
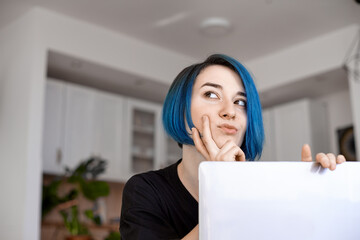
[113, 236]
[89, 214]
[97, 220]
[94, 189]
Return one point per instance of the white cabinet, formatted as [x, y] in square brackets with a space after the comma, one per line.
[108, 133]
[268, 153]
[53, 134]
[79, 124]
[289, 126]
[292, 130]
[145, 138]
[173, 152]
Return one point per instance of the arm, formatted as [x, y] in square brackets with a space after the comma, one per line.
[193, 235]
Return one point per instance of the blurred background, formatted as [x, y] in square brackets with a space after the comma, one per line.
[82, 82]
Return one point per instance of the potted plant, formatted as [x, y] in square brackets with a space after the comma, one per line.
[83, 181]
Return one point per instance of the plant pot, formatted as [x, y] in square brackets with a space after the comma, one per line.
[79, 237]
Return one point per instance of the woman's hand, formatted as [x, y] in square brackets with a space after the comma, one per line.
[326, 160]
[208, 148]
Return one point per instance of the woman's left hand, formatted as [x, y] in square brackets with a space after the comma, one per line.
[326, 160]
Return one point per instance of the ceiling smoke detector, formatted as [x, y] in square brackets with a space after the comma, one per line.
[215, 27]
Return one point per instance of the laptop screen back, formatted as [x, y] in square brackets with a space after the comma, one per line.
[278, 200]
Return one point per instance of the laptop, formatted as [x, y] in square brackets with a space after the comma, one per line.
[278, 200]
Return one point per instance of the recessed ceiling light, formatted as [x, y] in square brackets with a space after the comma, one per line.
[215, 27]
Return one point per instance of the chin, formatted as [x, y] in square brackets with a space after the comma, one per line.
[221, 140]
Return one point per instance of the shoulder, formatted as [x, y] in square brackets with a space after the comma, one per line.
[152, 180]
[149, 186]
[147, 180]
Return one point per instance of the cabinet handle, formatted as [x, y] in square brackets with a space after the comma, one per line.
[58, 156]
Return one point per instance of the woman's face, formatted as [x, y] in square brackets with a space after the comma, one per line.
[218, 92]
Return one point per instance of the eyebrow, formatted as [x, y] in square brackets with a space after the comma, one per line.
[221, 88]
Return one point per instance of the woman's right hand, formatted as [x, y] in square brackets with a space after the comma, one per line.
[208, 148]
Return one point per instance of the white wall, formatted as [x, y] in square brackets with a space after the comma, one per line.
[339, 114]
[355, 107]
[20, 124]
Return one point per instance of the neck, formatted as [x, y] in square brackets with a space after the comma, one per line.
[188, 169]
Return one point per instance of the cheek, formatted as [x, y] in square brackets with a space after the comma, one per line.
[197, 112]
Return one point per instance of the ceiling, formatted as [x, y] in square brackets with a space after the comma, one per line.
[258, 28]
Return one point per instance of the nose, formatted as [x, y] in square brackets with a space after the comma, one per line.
[228, 110]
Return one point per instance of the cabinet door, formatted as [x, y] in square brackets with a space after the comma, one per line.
[269, 153]
[79, 124]
[173, 152]
[145, 137]
[108, 132]
[53, 138]
[292, 129]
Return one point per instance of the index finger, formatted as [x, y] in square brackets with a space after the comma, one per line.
[207, 137]
[199, 145]
[306, 153]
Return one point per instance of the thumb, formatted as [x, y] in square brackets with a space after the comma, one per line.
[306, 153]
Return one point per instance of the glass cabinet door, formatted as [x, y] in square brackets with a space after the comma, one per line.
[143, 141]
[174, 152]
[145, 137]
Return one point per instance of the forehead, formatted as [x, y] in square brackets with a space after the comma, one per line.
[221, 75]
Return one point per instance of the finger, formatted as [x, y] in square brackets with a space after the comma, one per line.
[199, 145]
[340, 159]
[306, 153]
[233, 154]
[224, 149]
[240, 156]
[207, 139]
[332, 160]
[323, 160]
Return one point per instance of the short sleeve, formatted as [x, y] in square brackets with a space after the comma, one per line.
[142, 215]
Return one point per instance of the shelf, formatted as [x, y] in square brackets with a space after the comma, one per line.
[142, 164]
[112, 227]
[143, 129]
[142, 156]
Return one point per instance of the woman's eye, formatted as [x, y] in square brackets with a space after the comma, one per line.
[210, 95]
[240, 102]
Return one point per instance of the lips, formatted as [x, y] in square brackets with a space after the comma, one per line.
[228, 129]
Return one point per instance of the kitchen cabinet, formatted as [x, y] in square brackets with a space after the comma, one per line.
[81, 122]
[145, 138]
[173, 152]
[108, 133]
[53, 134]
[292, 129]
[289, 126]
[268, 153]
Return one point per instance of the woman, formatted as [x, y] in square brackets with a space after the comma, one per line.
[213, 110]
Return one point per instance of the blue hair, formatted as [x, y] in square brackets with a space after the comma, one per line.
[177, 105]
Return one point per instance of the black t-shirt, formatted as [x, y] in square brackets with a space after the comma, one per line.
[156, 205]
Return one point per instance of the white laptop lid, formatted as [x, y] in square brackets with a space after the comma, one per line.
[279, 200]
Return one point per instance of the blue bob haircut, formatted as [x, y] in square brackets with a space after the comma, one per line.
[177, 105]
